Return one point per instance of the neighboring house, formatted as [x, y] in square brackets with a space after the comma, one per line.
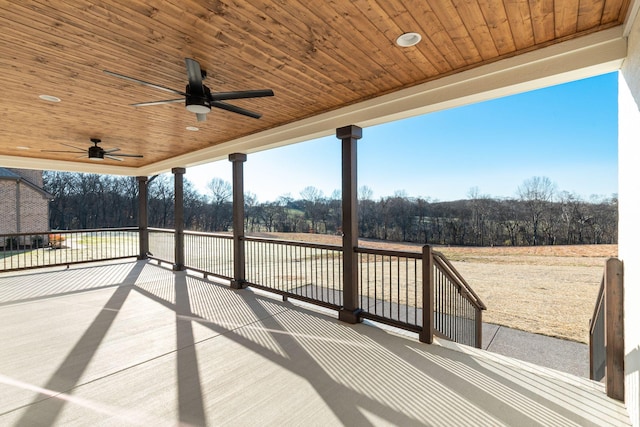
[24, 204]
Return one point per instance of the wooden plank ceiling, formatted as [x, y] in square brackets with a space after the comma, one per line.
[316, 55]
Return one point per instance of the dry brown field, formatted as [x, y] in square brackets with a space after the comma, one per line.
[549, 290]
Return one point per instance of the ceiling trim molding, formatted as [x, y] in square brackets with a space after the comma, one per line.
[66, 166]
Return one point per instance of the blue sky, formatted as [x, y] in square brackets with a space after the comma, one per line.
[567, 133]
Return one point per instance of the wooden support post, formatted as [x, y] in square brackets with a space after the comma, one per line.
[143, 219]
[426, 335]
[350, 311]
[237, 160]
[178, 194]
[614, 328]
[478, 327]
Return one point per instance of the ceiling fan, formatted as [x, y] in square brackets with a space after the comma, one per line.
[95, 152]
[197, 97]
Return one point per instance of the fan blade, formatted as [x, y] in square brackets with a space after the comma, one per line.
[234, 109]
[111, 150]
[221, 96]
[126, 155]
[201, 117]
[195, 76]
[77, 148]
[108, 156]
[58, 151]
[168, 101]
[142, 82]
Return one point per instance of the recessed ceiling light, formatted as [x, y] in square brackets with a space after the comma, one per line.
[408, 39]
[49, 98]
[192, 128]
[22, 147]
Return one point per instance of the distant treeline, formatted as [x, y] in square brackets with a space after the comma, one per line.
[539, 215]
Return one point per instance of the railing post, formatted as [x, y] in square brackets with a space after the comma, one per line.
[178, 194]
[349, 135]
[237, 160]
[143, 218]
[614, 328]
[426, 335]
[478, 327]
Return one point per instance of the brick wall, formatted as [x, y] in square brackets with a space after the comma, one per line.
[34, 210]
[7, 206]
[34, 207]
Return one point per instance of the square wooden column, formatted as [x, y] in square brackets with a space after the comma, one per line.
[237, 160]
[178, 194]
[143, 218]
[350, 311]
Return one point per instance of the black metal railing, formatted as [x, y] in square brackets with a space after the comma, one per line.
[597, 350]
[457, 310]
[420, 292]
[50, 248]
[209, 253]
[306, 271]
[390, 287]
[162, 244]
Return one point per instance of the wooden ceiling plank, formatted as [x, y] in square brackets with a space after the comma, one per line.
[566, 17]
[473, 18]
[398, 20]
[345, 26]
[96, 43]
[614, 11]
[519, 16]
[153, 58]
[542, 20]
[321, 53]
[434, 30]
[589, 14]
[327, 47]
[374, 40]
[210, 38]
[496, 17]
[129, 84]
[312, 74]
[308, 74]
[454, 25]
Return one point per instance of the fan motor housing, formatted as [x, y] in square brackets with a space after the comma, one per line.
[96, 153]
[197, 103]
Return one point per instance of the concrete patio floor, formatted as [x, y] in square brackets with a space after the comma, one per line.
[131, 343]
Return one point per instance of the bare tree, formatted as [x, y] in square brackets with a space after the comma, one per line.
[536, 193]
[312, 198]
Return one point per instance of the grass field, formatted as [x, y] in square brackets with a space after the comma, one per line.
[548, 290]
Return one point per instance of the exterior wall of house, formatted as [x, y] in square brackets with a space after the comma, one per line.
[34, 176]
[34, 210]
[33, 205]
[629, 215]
[7, 207]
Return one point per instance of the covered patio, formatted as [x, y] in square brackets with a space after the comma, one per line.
[133, 343]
